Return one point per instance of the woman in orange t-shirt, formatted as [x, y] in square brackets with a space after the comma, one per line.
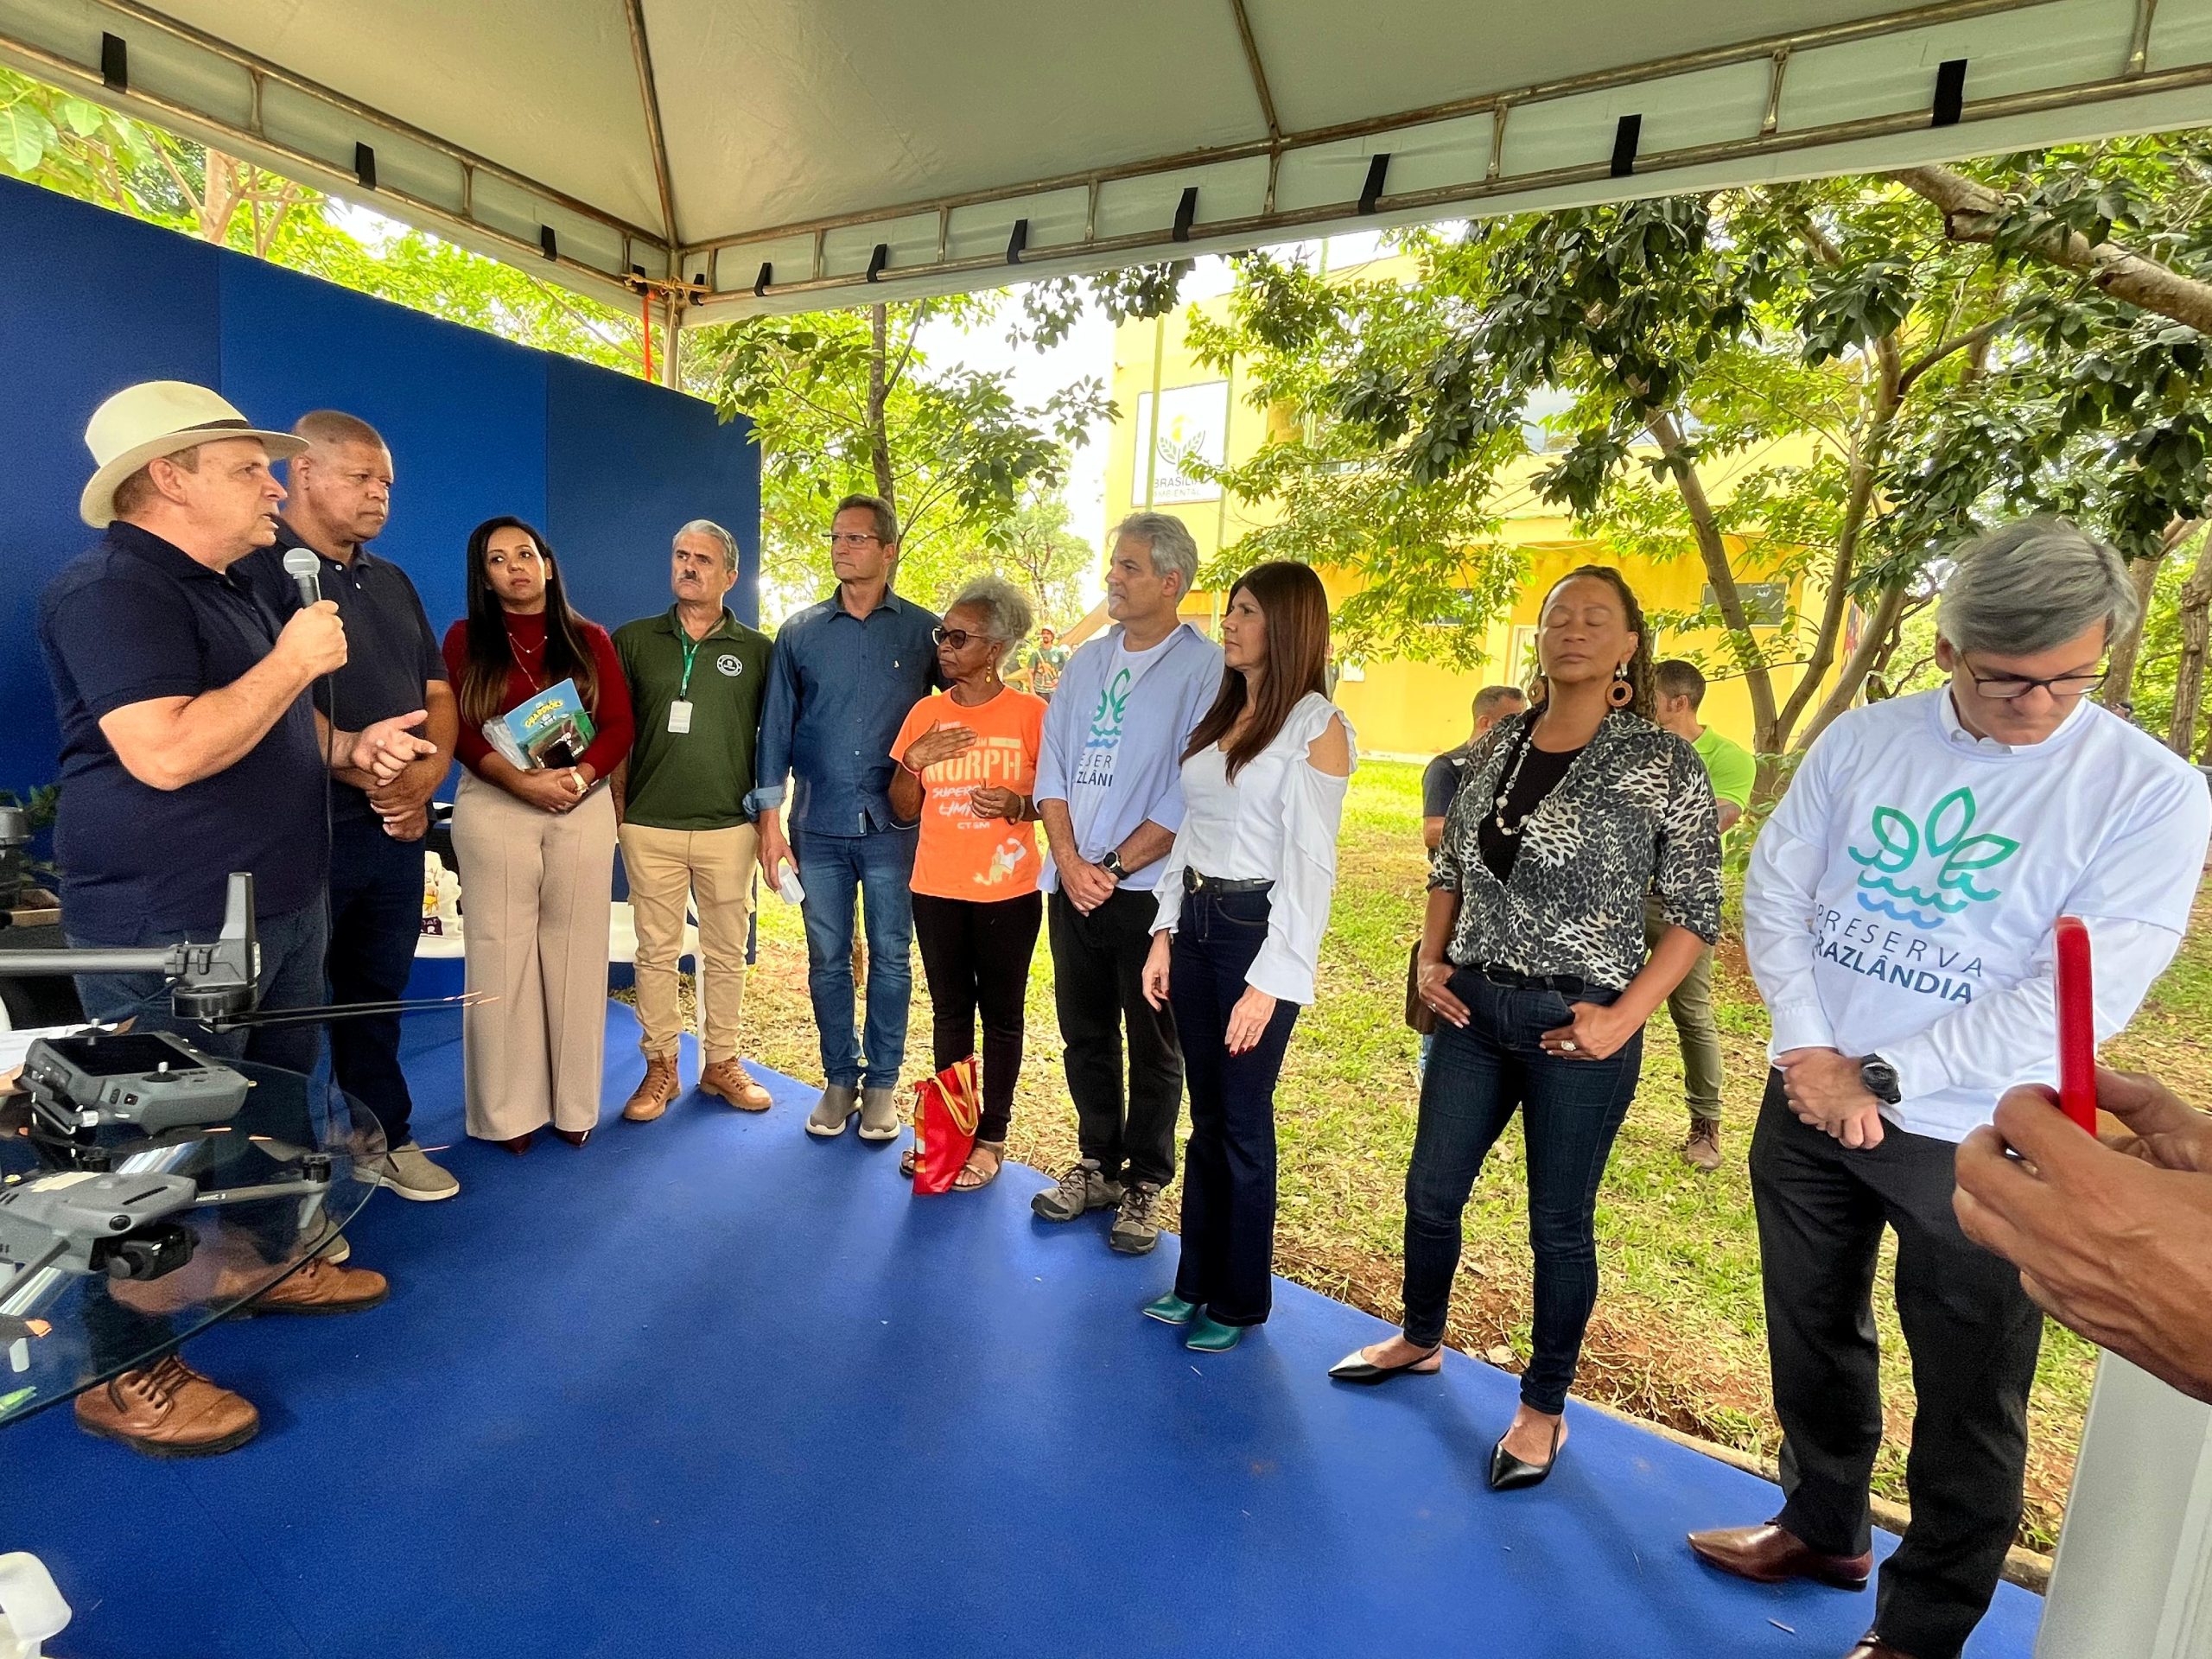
[967, 763]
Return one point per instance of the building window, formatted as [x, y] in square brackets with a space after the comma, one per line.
[1766, 604]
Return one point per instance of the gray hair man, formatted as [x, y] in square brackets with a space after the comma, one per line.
[1109, 790]
[1898, 918]
[697, 676]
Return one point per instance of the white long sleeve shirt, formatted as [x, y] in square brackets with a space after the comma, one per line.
[1901, 898]
[1276, 822]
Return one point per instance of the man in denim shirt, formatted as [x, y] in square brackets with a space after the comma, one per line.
[843, 675]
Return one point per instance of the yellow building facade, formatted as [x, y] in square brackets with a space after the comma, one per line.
[1168, 406]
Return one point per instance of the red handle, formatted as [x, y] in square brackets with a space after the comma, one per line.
[2077, 1026]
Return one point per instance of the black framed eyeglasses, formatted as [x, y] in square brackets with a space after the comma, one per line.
[958, 638]
[2004, 688]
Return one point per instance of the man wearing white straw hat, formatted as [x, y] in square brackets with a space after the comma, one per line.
[190, 748]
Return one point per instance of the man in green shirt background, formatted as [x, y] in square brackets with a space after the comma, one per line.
[697, 676]
[1680, 688]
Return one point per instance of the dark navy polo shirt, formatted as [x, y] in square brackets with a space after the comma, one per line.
[133, 620]
[390, 653]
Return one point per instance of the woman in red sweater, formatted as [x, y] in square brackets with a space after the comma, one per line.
[536, 848]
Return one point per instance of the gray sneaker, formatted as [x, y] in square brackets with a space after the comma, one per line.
[407, 1170]
[334, 1248]
[1084, 1187]
[1136, 1230]
[879, 1114]
[839, 1102]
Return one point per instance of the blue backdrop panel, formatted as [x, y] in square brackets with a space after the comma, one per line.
[623, 471]
[90, 301]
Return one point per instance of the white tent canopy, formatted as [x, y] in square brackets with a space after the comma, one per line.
[744, 155]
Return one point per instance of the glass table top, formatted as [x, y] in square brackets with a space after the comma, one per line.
[104, 1270]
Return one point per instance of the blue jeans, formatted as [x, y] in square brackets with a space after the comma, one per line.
[1571, 1110]
[1229, 1165]
[881, 866]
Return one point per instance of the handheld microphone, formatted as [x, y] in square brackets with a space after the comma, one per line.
[304, 568]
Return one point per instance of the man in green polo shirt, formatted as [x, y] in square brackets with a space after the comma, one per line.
[1679, 690]
[697, 676]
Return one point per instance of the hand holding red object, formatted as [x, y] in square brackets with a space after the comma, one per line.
[2077, 1026]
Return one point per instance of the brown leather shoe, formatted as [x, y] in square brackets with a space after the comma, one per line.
[1768, 1554]
[1871, 1646]
[167, 1410]
[659, 1085]
[727, 1078]
[1702, 1149]
[323, 1286]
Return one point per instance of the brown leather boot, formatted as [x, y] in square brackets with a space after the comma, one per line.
[727, 1078]
[167, 1410]
[323, 1286]
[659, 1085]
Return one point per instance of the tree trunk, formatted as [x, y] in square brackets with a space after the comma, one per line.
[878, 396]
[2120, 671]
[1888, 613]
[2195, 638]
[1971, 213]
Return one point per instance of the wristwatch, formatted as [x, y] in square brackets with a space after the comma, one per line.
[1878, 1079]
[1112, 864]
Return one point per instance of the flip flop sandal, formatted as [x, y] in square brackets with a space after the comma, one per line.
[907, 1163]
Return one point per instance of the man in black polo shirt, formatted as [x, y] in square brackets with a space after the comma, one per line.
[341, 499]
[189, 748]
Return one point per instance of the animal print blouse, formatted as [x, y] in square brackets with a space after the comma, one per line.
[1633, 815]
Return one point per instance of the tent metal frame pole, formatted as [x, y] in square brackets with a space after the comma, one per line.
[1865, 29]
[649, 94]
[1648, 180]
[1259, 70]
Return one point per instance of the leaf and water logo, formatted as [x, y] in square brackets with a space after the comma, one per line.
[1924, 873]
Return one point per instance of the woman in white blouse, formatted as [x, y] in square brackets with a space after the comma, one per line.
[1243, 899]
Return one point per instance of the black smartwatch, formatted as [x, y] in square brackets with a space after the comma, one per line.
[1112, 864]
[1878, 1079]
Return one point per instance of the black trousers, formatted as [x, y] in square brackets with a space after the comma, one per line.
[1098, 986]
[1229, 1174]
[376, 919]
[1973, 1335]
[976, 958]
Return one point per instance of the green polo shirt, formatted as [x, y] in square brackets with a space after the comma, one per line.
[696, 779]
[1730, 765]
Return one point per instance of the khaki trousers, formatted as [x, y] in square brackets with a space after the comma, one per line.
[1691, 1004]
[668, 868]
[536, 890]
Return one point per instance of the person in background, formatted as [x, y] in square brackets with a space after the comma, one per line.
[340, 501]
[697, 677]
[537, 847]
[1110, 786]
[1440, 782]
[1243, 899]
[2113, 1239]
[1681, 689]
[1898, 918]
[843, 675]
[967, 766]
[1532, 956]
[1045, 664]
[194, 753]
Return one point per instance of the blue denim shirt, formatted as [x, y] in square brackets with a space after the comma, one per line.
[839, 686]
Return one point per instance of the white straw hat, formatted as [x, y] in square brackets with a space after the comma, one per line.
[156, 418]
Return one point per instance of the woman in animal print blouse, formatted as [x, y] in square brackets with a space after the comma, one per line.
[1532, 956]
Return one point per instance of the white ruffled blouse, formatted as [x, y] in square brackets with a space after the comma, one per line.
[1276, 822]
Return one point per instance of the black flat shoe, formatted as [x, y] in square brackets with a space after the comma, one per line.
[1356, 1367]
[574, 1137]
[1508, 1474]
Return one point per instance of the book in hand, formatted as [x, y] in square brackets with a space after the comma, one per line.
[551, 728]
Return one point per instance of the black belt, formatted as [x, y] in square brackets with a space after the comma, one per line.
[1193, 882]
[1565, 984]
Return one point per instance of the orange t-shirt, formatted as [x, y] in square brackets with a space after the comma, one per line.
[961, 855]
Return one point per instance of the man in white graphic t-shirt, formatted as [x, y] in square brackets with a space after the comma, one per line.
[1898, 918]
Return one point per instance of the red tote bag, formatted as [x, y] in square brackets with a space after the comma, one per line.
[946, 1109]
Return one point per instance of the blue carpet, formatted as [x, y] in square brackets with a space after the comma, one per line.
[710, 1387]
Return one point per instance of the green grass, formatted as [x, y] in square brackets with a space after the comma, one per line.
[1679, 1336]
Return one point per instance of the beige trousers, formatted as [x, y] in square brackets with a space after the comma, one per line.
[536, 886]
[668, 868]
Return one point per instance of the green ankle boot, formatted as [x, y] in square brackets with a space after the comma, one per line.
[1170, 1309]
[1210, 1337]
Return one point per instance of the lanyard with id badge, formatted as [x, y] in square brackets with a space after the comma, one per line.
[679, 712]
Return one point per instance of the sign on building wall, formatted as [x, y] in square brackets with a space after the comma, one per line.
[1193, 425]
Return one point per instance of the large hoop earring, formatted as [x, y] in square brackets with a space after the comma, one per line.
[1621, 692]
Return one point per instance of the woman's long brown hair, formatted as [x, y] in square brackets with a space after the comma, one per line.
[483, 690]
[1296, 607]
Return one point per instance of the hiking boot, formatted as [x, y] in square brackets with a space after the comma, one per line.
[727, 1079]
[1136, 1230]
[1702, 1149]
[655, 1090]
[1084, 1187]
[838, 1104]
[322, 1286]
[167, 1410]
[407, 1171]
[879, 1114]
